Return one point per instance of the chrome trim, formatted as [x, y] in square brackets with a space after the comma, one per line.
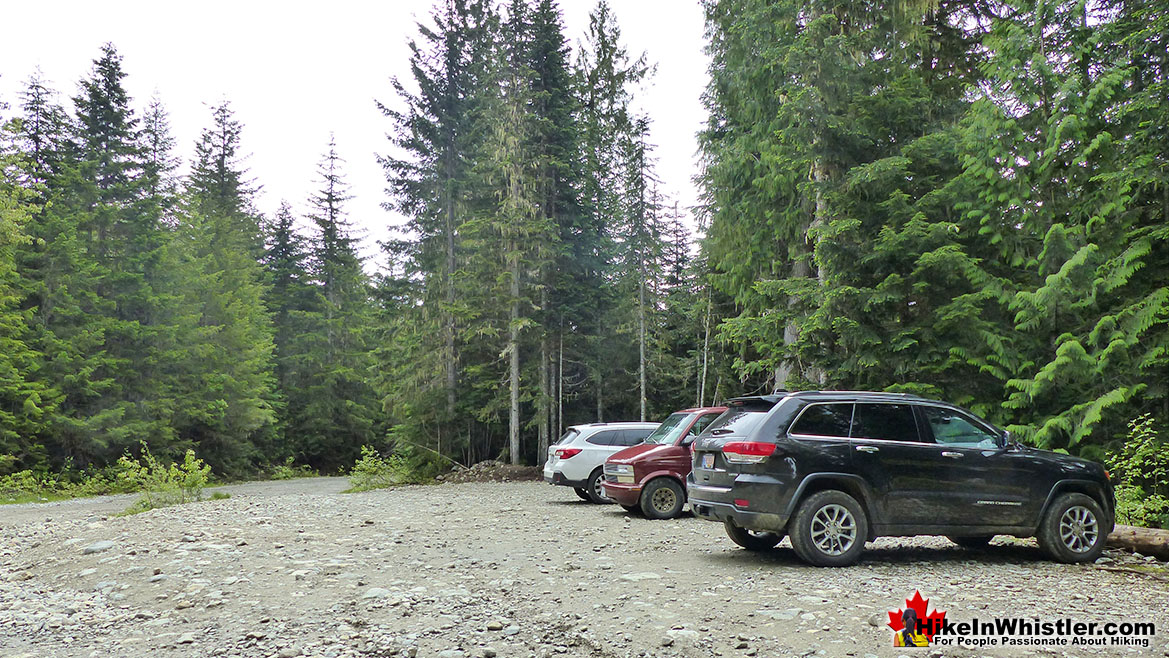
[709, 487]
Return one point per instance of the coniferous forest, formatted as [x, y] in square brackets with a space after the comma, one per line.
[964, 199]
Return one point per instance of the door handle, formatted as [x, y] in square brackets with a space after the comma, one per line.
[953, 455]
[868, 448]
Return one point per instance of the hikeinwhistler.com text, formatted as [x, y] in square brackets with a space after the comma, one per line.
[1020, 632]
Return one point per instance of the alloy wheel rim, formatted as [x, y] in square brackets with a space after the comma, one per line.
[597, 489]
[833, 529]
[1078, 529]
[663, 500]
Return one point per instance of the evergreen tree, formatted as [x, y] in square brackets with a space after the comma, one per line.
[1083, 350]
[437, 132]
[26, 402]
[333, 414]
[226, 390]
[606, 75]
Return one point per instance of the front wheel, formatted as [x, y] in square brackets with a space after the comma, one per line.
[829, 529]
[582, 492]
[662, 499]
[1072, 530]
[752, 540]
[596, 481]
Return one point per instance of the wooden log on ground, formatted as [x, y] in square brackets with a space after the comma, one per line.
[1146, 541]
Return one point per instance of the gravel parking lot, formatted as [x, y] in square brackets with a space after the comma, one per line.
[515, 569]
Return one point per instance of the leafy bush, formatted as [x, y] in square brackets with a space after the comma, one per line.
[289, 470]
[1140, 473]
[372, 471]
[38, 485]
[162, 485]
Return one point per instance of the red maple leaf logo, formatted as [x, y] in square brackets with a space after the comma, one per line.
[931, 622]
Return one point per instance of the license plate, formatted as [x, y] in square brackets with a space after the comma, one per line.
[708, 460]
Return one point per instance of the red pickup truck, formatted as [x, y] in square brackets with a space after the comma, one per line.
[652, 475]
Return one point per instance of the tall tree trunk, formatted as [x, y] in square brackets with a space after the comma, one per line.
[560, 387]
[545, 411]
[600, 403]
[513, 348]
[705, 346]
[449, 316]
[641, 344]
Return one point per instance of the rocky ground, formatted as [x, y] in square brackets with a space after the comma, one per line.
[508, 569]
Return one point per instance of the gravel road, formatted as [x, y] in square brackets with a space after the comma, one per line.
[477, 570]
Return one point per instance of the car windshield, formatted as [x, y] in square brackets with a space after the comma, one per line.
[670, 429]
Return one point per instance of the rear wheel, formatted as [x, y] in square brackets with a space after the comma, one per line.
[829, 529]
[972, 542]
[752, 540]
[582, 492]
[1072, 530]
[662, 499]
[596, 480]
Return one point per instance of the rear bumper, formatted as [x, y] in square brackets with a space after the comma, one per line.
[623, 494]
[762, 511]
[557, 478]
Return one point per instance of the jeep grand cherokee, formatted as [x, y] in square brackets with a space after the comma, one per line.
[833, 470]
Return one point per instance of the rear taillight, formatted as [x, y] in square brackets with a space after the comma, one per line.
[565, 453]
[747, 452]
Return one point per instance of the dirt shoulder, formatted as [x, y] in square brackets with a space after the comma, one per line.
[490, 569]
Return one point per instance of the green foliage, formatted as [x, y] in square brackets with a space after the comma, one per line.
[290, 470]
[1140, 473]
[163, 484]
[372, 471]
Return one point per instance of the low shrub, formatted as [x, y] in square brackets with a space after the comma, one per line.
[289, 470]
[1140, 475]
[161, 484]
[372, 471]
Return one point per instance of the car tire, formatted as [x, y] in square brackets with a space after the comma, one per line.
[582, 492]
[594, 488]
[1073, 529]
[979, 541]
[662, 498]
[752, 540]
[829, 529]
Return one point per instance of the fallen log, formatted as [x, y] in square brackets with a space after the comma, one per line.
[1146, 541]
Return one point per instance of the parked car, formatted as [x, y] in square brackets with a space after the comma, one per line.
[652, 476]
[576, 459]
[833, 470]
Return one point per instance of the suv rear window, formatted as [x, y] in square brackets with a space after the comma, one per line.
[741, 418]
[824, 420]
[888, 422]
[568, 437]
[607, 438]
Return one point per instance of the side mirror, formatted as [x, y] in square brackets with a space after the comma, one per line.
[1005, 439]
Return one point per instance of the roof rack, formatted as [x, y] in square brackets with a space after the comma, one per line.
[907, 396]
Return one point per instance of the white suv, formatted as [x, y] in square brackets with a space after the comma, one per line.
[576, 459]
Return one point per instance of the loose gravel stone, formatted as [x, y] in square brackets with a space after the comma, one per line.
[520, 569]
[98, 547]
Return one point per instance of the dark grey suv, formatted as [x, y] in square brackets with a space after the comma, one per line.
[834, 469]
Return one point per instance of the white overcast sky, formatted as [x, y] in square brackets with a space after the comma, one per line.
[295, 71]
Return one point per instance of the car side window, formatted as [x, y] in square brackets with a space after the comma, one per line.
[698, 426]
[887, 422]
[824, 420]
[634, 437]
[607, 438]
[953, 428]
